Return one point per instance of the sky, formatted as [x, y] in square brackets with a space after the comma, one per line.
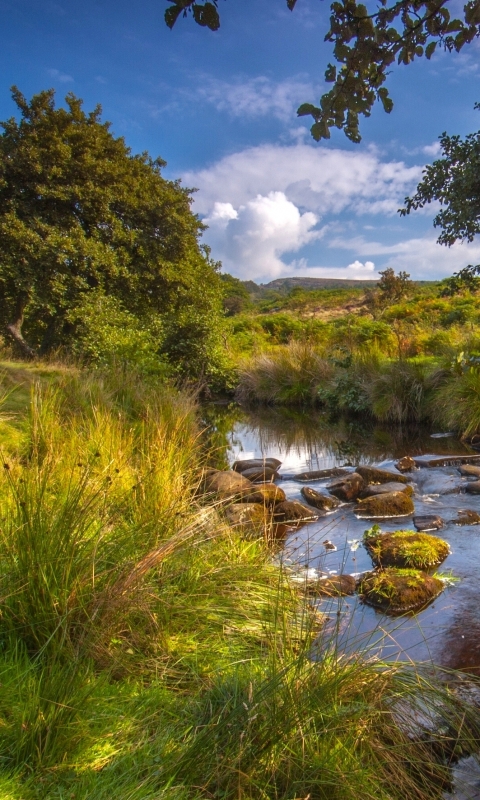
[220, 109]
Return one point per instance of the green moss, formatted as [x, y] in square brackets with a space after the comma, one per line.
[397, 591]
[406, 549]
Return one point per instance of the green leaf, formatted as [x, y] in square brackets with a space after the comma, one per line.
[172, 14]
[306, 109]
[291, 4]
[331, 73]
[430, 49]
[206, 16]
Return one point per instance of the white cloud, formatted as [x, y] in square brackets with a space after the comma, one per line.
[369, 266]
[315, 178]
[250, 239]
[59, 76]
[257, 97]
[432, 150]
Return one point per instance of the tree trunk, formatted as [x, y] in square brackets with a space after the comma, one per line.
[14, 330]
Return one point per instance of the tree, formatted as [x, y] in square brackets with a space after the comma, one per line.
[367, 43]
[80, 214]
[390, 289]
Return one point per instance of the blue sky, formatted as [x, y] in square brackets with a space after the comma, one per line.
[220, 109]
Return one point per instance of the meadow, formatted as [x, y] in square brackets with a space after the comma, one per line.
[149, 650]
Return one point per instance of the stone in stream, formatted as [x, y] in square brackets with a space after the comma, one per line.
[467, 517]
[377, 475]
[445, 461]
[292, 511]
[256, 463]
[473, 487]
[319, 500]
[384, 488]
[428, 522]
[250, 517]
[347, 488]
[405, 464]
[335, 586]
[396, 591]
[318, 474]
[227, 485]
[262, 473]
[267, 493]
[383, 506]
[406, 549]
[470, 471]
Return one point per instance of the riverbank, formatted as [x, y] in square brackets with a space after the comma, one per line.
[151, 650]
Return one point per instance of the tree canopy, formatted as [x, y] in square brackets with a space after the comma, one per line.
[367, 43]
[81, 215]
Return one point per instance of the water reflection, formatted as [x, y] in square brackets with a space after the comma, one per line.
[448, 631]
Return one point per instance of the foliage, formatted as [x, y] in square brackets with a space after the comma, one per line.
[367, 42]
[236, 298]
[80, 214]
[391, 289]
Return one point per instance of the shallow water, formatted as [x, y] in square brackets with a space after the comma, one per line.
[448, 631]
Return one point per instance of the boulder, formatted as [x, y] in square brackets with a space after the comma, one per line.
[319, 500]
[397, 591]
[261, 474]
[470, 471]
[382, 506]
[384, 488]
[467, 517]
[348, 487]
[335, 586]
[376, 475]
[293, 511]
[445, 461]
[406, 549]
[405, 464]
[250, 517]
[320, 474]
[267, 493]
[227, 485]
[428, 522]
[473, 487]
[257, 463]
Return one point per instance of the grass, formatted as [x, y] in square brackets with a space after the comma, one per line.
[148, 651]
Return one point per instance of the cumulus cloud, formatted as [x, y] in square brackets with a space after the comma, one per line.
[250, 239]
[369, 266]
[257, 97]
[315, 178]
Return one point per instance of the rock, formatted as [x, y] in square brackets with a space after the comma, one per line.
[257, 463]
[328, 545]
[376, 475]
[318, 500]
[347, 488]
[470, 471]
[385, 488]
[405, 464]
[267, 493]
[406, 549]
[320, 474]
[445, 461]
[382, 506]
[227, 485]
[262, 473]
[293, 511]
[250, 517]
[473, 487]
[335, 586]
[396, 591]
[467, 517]
[428, 522]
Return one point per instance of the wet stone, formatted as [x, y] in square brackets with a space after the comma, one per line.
[377, 475]
[227, 485]
[347, 488]
[473, 487]
[262, 473]
[445, 461]
[406, 549]
[293, 511]
[383, 506]
[335, 586]
[319, 500]
[428, 522]
[467, 517]
[267, 493]
[256, 463]
[470, 471]
[405, 464]
[250, 517]
[384, 488]
[319, 474]
[396, 591]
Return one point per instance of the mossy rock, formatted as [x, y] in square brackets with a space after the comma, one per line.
[373, 489]
[383, 506]
[405, 464]
[249, 517]
[407, 549]
[293, 512]
[267, 493]
[336, 586]
[227, 484]
[467, 517]
[376, 475]
[319, 500]
[397, 591]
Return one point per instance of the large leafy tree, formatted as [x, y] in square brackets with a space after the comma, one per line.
[80, 214]
[368, 40]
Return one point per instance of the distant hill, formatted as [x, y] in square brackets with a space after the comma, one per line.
[285, 284]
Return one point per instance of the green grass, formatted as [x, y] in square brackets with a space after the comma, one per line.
[148, 651]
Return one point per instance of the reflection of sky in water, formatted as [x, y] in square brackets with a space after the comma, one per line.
[448, 631]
